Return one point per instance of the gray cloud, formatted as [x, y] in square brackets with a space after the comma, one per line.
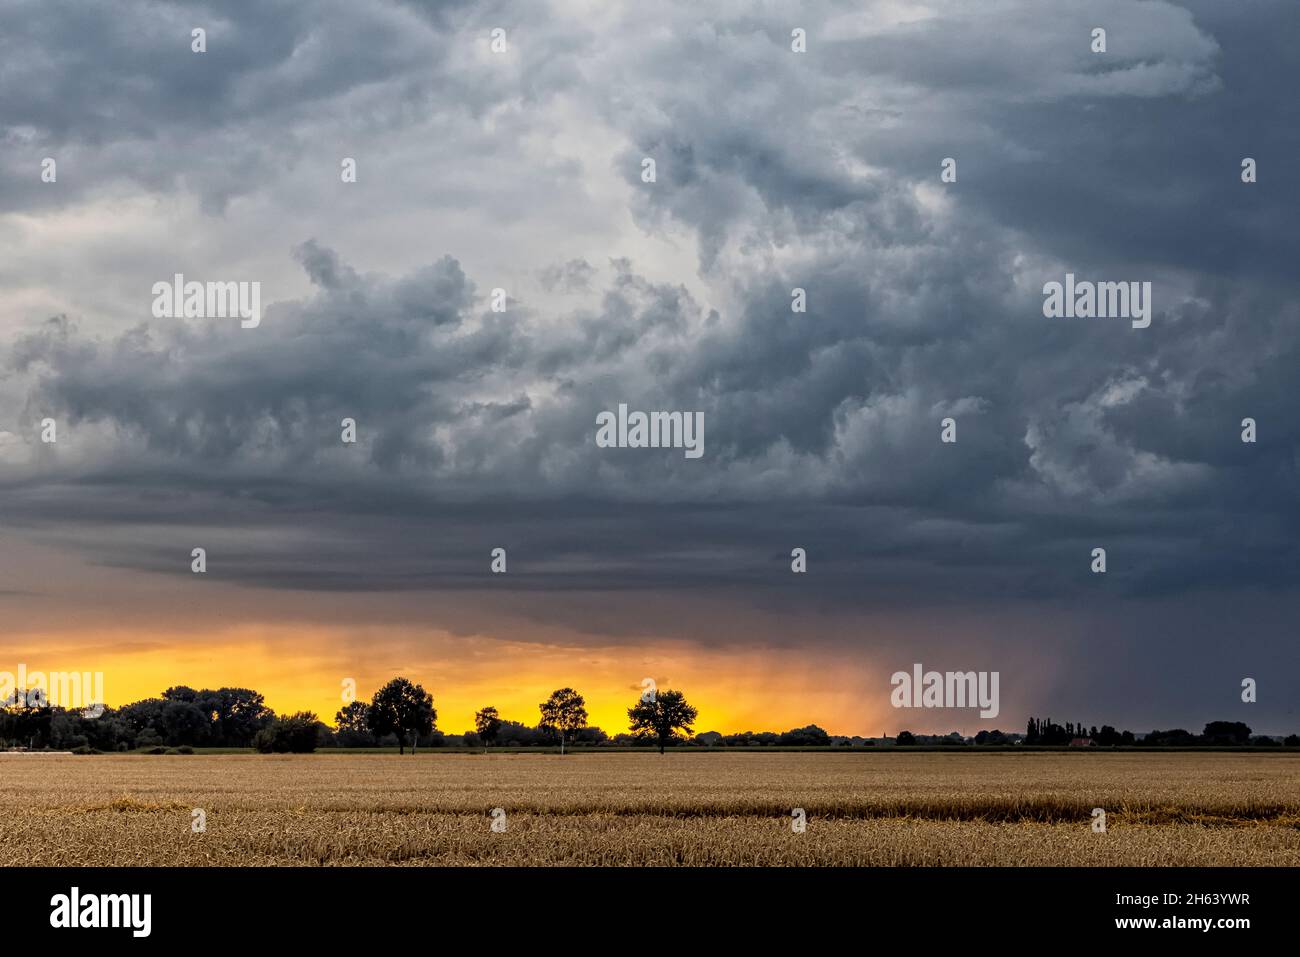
[775, 170]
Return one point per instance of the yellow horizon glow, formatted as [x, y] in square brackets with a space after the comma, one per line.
[302, 668]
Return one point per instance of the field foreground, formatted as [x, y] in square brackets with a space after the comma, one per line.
[723, 808]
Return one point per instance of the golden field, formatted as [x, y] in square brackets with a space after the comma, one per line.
[721, 808]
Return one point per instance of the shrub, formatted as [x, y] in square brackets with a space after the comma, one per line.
[804, 737]
[295, 733]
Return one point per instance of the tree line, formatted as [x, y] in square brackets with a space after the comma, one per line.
[405, 710]
[400, 713]
[1045, 731]
[182, 717]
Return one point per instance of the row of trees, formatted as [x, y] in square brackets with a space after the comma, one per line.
[400, 712]
[1047, 733]
[810, 736]
[226, 717]
[405, 709]
[1044, 731]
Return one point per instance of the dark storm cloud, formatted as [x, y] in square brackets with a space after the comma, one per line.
[821, 429]
[114, 91]
[1166, 189]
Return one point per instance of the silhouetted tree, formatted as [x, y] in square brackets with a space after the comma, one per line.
[353, 716]
[661, 717]
[487, 724]
[292, 734]
[1226, 732]
[810, 736]
[352, 723]
[564, 711]
[238, 713]
[401, 707]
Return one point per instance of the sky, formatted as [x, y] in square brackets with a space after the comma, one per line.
[523, 169]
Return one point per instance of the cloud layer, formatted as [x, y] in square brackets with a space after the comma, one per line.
[775, 170]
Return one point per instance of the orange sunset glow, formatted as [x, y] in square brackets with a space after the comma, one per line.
[303, 668]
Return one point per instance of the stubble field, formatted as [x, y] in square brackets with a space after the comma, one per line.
[645, 809]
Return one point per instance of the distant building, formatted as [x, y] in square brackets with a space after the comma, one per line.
[1082, 743]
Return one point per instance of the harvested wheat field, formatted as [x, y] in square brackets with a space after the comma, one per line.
[722, 808]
